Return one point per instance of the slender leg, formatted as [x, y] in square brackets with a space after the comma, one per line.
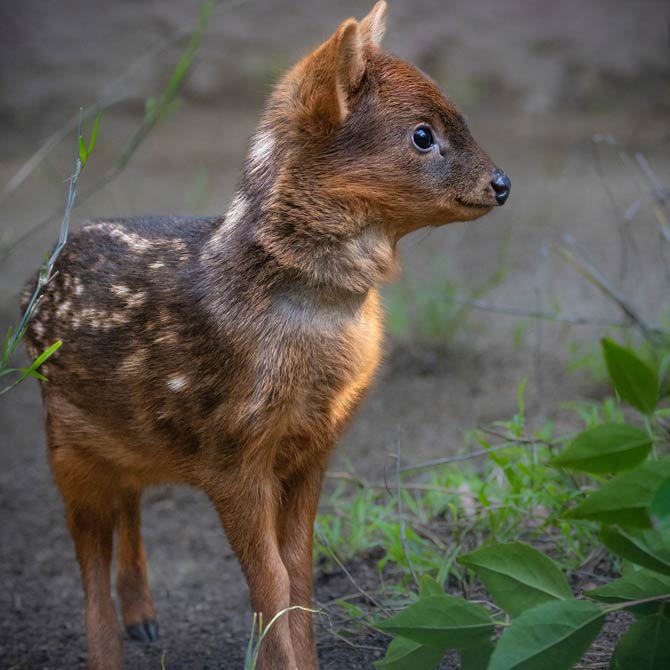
[137, 607]
[90, 494]
[92, 529]
[296, 531]
[248, 512]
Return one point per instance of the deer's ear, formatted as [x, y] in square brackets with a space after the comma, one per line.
[373, 26]
[332, 73]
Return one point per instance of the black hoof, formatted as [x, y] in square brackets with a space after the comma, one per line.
[147, 631]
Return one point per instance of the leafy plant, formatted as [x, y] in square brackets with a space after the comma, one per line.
[543, 624]
[515, 488]
[46, 272]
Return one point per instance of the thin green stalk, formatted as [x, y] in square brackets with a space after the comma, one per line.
[14, 336]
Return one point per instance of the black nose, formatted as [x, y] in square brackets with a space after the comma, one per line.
[501, 185]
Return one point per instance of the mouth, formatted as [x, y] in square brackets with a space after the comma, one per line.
[473, 205]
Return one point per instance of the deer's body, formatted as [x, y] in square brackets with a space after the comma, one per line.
[187, 363]
[229, 353]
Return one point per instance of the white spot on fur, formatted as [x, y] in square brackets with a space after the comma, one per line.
[90, 315]
[116, 319]
[136, 299]
[167, 338]
[98, 319]
[114, 230]
[133, 240]
[63, 309]
[121, 291]
[38, 327]
[177, 382]
[157, 265]
[132, 300]
[92, 226]
[176, 245]
[261, 150]
[78, 286]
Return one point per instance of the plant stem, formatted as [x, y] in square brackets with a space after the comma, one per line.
[631, 603]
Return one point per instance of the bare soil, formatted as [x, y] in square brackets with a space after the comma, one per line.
[537, 80]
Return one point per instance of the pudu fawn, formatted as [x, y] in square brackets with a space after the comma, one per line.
[229, 353]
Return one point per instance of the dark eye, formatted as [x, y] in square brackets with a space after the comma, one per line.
[423, 138]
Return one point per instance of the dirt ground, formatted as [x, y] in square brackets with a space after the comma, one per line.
[537, 81]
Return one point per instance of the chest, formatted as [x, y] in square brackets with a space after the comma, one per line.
[310, 370]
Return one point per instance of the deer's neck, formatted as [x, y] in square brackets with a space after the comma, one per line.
[313, 241]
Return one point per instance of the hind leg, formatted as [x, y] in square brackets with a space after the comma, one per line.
[137, 607]
[91, 512]
[89, 488]
[92, 530]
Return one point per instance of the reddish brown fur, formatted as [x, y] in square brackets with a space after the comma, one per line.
[229, 353]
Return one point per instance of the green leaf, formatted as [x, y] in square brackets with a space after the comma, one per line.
[447, 564]
[647, 548]
[644, 646]
[633, 379]
[517, 576]
[28, 372]
[660, 503]
[94, 133]
[45, 354]
[403, 654]
[354, 611]
[610, 447]
[476, 658]
[442, 621]
[625, 499]
[5, 347]
[552, 635]
[429, 587]
[82, 151]
[635, 585]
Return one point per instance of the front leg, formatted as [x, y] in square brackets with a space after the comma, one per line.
[296, 532]
[247, 504]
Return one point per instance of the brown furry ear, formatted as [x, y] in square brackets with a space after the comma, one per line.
[332, 73]
[373, 26]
